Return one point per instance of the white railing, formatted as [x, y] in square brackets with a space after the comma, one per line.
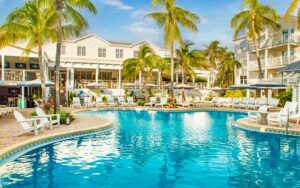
[279, 80]
[272, 62]
[16, 75]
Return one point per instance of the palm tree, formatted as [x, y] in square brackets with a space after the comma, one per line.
[211, 53]
[163, 67]
[139, 66]
[254, 20]
[170, 19]
[226, 68]
[292, 8]
[67, 12]
[33, 23]
[189, 60]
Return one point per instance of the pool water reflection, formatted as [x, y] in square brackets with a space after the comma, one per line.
[161, 149]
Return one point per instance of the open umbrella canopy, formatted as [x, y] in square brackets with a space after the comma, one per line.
[269, 85]
[216, 89]
[131, 84]
[183, 86]
[151, 85]
[236, 87]
[94, 84]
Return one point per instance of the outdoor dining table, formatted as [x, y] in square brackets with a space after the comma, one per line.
[263, 118]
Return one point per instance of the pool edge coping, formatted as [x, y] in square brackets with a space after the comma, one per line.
[9, 151]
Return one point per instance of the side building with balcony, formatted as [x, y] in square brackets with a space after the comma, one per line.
[277, 48]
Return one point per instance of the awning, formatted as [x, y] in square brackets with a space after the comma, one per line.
[32, 83]
[269, 85]
[183, 86]
[291, 67]
[241, 87]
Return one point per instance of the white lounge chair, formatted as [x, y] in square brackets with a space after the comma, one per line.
[163, 102]
[26, 127]
[99, 102]
[214, 101]
[48, 119]
[131, 102]
[180, 102]
[88, 102]
[273, 103]
[152, 102]
[76, 102]
[244, 103]
[256, 115]
[111, 102]
[122, 101]
[220, 102]
[281, 118]
[228, 102]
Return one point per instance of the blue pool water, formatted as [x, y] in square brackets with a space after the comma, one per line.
[160, 149]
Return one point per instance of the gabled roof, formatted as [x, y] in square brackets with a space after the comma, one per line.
[149, 42]
[86, 37]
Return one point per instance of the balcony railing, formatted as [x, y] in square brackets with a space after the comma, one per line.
[15, 75]
[278, 80]
[273, 41]
[272, 62]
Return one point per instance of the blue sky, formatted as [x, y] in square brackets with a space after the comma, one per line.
[123, 20]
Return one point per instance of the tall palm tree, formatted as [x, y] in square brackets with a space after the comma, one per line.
[254, 20]
[189, 60]
[226, 68]
[171, 19]
[32, 23]
[139, 66]
[291, 10]
[67, 12]
[211, 53]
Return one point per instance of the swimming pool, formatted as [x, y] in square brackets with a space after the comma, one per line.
[161, 149]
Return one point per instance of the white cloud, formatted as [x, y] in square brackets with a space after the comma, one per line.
[117, 3]
[141, 28]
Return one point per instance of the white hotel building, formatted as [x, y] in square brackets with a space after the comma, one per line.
[277, 48]
[83, 60]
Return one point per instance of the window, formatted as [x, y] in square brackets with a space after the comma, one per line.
[81, 51]
[101, 52]
[243, 45]
[243, 79]
[119, 53]
[285, 53]
[136, 54]
[288, 35]
[63, 50]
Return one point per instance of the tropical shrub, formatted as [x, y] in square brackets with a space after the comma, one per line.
[104, 99]
[285, 96]
[235, 93]
[141, 102]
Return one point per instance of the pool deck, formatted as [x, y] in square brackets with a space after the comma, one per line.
[9, 126]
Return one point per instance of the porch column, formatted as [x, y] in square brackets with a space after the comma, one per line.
[72, 81]
[248, 62]
[97, 74]
[3, 67]
[266, 65]
[120, 80]
[158, 79]
[177, 77]
[68, 85]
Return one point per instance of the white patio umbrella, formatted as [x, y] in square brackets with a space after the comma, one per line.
[151, 85]
[94, 84]
[183, 86]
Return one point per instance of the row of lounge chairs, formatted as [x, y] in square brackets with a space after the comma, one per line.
[289, 111]
[244, 103]
[5, 110]
[87, 102]
[36, 123]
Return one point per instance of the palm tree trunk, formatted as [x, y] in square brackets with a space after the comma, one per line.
[58, 7]
[140, 80]
[182, 72]
[172, 71]
[42, 69]
[256, 50]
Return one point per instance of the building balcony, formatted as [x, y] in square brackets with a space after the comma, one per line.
[252, 81]
[272, 62]
[17, 75]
